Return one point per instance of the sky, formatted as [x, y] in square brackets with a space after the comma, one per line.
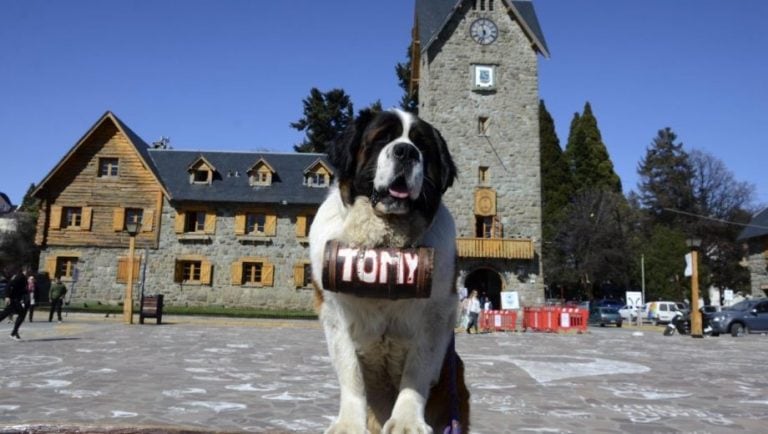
[232, 74]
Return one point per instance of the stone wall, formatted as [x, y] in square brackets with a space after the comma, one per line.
[510, 148]
[98, 266]
[758, 266]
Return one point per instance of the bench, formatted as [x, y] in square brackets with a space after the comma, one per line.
[151, 307]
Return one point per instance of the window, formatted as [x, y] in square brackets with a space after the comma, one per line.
[302, 275]
[483, 175]
[73, 217]
[255, 223]
[317, 179]
[252, 272]
[200, 176]
[108, 167]
[194, 221]
[65, 267]
[133, 215]
[487, 227]
[190, 271]
[483, 123]
[193, 269]
[307, 275]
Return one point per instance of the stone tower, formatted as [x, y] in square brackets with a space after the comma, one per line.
[475, 67]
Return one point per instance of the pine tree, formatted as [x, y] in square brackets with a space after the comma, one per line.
[326, 115]
[665, 180]
[588, 157]
[410, 100]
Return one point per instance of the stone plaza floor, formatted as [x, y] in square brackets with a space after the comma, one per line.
[194, 374]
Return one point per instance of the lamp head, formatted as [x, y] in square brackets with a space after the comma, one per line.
[132, 227]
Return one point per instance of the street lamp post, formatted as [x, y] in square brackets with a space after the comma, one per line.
[132, 227]
[694, 244]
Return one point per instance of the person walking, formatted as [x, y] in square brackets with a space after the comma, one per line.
[473, 308]
[14, 302]
[58, 291]
[29, 301]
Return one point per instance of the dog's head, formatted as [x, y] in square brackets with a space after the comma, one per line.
[398, 161]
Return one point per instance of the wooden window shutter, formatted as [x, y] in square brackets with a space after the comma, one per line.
[298, 275]
[237, 273]
[178, 272]
[210, 222]
[55, 217]
[240, 223]
[122, 269]
[268, 274]
[270, 225]
[147, 220]
[205, 272]
[301, 226]
[50, 266]
[85, 224]
[178, 224]
[118, 218]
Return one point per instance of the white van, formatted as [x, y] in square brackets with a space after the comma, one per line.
[659, 311]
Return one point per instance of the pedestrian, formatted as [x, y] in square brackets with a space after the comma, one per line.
[14, 302]
[58, 291]
[31, 288]
[473, 308]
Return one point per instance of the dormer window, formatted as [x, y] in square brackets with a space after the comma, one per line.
[261, 174]
[318, 175]
[201, 171]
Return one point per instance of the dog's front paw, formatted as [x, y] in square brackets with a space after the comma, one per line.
[346, 427]
[406, 425]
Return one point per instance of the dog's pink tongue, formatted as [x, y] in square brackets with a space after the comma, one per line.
[400, 194]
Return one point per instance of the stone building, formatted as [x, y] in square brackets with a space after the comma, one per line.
[475, 66]
[756, 238]
[217, 228]
[223, 228]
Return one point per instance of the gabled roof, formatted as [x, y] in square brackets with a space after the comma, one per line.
[317, 162]
[758, 226]
[5, 203]
[141, 148]
[197, 162]
[261, 162]
[232, 185]
[433, 15]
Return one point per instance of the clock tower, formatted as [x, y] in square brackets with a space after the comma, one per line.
[474, 63]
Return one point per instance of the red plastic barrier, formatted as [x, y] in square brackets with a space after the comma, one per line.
[554, 319]
[498, 320]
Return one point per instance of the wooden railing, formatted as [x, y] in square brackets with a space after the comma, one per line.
[494, 248]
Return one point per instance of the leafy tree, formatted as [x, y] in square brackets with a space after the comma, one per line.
[326, 115]
[29, 203]
[664, 252]
[17, 248]
[665, 180]
[409, 100]
[593, 238]
[591, 166]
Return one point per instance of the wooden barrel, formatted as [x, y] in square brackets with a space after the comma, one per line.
[378, 273]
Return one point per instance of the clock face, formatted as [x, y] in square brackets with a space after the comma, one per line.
[483, 31]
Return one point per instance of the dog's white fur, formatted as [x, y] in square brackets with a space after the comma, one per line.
[398, 346]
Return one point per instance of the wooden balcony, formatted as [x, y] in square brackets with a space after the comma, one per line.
[499, 248]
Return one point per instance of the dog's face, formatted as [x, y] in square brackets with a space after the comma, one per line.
[398, 161]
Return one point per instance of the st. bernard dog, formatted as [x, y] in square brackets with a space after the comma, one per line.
[394, 359]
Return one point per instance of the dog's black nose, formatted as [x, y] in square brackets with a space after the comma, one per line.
[405, 152]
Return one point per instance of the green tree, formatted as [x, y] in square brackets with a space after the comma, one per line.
[17, 247]
[664, 250]
[588, 158]
[410, 100]
[326, 115]
[29, 203]
[665, 181]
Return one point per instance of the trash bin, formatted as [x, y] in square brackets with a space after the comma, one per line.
[151, 307]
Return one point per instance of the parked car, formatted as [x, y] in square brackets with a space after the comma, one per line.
[746, 316]
[604, 315]
[659, 311]
[629, 312]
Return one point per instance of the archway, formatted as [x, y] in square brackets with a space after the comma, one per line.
[486, 281]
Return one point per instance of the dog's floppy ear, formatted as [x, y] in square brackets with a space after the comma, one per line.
[342, 153]
[448, 172]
